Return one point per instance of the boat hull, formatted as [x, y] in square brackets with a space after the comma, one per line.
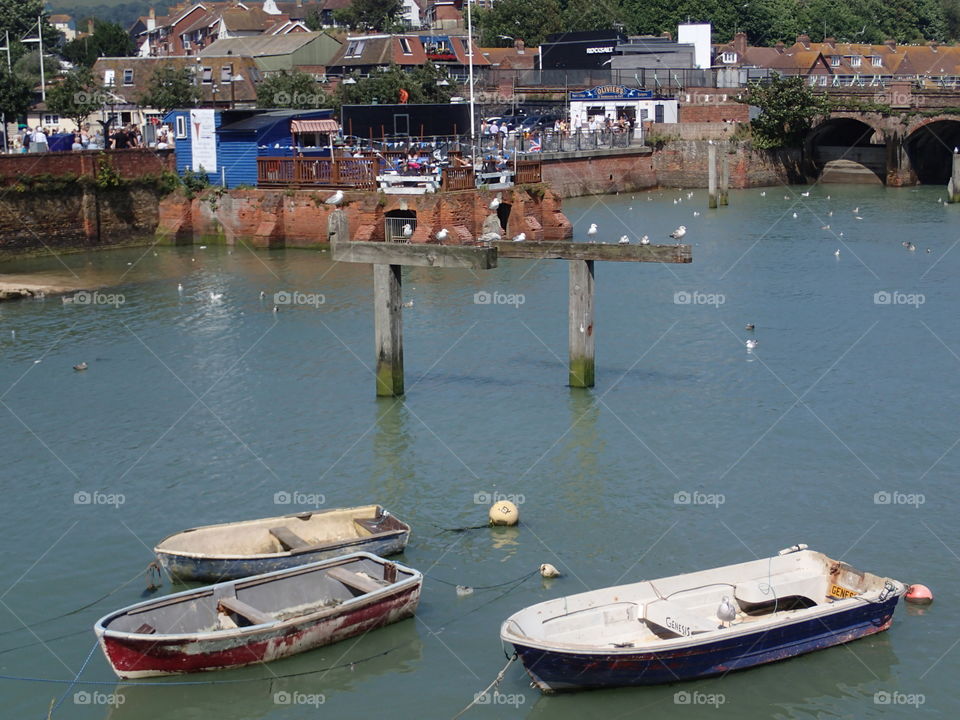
[188, 568]
[559, 670]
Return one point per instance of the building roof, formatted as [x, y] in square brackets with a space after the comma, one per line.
[60, 19]
[269, 118]
[260, 45]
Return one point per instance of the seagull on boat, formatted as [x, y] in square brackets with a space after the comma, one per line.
[726, 613]
[679, 232]
[593, 229]
[645, 240]
[751, 344]
[520, 238]
[443, 234]
[624, 240]
[80, 367]
[407, 230]
[495, 203]
[335, 199]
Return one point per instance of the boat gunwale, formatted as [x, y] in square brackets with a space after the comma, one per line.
[410, 583]
[317, 547]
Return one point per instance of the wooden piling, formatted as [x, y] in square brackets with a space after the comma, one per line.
[337, 228]
[724, 177]
[581, 324]
[712, 175]
[388, 329]
[953, 186]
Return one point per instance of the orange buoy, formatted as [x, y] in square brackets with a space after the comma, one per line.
[919, 595]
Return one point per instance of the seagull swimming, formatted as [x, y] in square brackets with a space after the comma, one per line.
[750, 326]
[836, 253]
[443, 234]
[856, 210]
[80, 367]
[335, 199]
[726, 613]
[794, 215]
[215, 297]
[763, 193]
[179, 287]
[408, 304]
[696, 213]
[520, 238]
[624, 240]
[679, 232]
[593, 229]
[805, 194]
[751, 344]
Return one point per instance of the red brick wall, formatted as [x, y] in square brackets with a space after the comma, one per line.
[571, 177]
[130, 164]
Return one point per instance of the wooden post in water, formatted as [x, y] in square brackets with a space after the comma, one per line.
[712, 175]
[337, 228]
[580, 323]
[953, 186]
[388, 329]
[724, 176]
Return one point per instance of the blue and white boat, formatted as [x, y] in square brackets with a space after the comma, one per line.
[251, 547]
[700, 624]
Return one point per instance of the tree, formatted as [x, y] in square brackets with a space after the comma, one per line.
[169, 88]
[384, 87]
[788, 108]
[378, 15]
[108, 40]
[76, 96]
[294, 90]
[19, 17]
[591, 15]
[527, 20]
[16, 95]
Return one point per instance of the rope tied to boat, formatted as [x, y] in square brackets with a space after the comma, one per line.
[154, 576]
[76, 677]
[478, 697]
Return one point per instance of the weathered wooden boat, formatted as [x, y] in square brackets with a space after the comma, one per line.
[700, 624]
[260, 618]
[239, 549]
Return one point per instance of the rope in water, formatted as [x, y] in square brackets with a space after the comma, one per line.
[73, 682]
[496, 681]
[484, 587]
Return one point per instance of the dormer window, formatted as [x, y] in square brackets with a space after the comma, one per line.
[405, 46]
[354, 48]
[834, 61]
[877, 61]
[855, 61]
[728, 57]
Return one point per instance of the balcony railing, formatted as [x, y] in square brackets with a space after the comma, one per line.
[356, 173]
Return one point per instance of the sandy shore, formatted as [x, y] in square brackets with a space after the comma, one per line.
[18, 287]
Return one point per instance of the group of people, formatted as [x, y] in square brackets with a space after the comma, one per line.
[41, 139]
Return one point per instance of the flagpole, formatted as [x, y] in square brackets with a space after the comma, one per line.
[43, 82]
[473, 128]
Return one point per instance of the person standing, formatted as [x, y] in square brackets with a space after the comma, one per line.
[38, 141]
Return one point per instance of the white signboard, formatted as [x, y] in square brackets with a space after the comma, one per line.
[203, 140]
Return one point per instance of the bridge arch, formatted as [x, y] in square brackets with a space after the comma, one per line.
[850, 148]
[929, 144]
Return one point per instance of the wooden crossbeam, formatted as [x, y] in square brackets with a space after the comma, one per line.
[439, 256]
[564, 250]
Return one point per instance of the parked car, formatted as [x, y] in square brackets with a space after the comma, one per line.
[537, 122]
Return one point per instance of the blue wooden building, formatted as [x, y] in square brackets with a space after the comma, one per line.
[225, 144]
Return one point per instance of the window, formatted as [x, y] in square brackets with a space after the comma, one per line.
[405, 46]
[186, 44]
[834, 61]
[728, 57]
[128, 77]
[354, 48]
[206, 75]
[109, 77]
[855, 61]
[823, 80]
[226, 73]
[181, 126]
[877, 61]
[51, 119]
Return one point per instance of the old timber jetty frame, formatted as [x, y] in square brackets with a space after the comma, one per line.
[388, 259]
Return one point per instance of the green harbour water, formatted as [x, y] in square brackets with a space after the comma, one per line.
[840, 430]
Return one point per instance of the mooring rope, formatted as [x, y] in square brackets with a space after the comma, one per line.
[496, 681]
[76, 677]
[484, 587]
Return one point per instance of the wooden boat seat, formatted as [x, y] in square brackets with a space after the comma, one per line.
[677, 619]
[288, 538]
[238, 607]
[354, 581]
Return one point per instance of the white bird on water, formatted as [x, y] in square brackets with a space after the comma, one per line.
[520, 238]
[763, 193]
[179, 287]
[803, 194]
[645, 240]
[407, 230]
[624, 240]
[751, 344]
[856, 210]
[679, 232]
[696, 213]
[836, 253]
[335, 199]
[215, 297]
[726, 613]
[593, 229]
[443, 234]
[794, 216]
[408, 304]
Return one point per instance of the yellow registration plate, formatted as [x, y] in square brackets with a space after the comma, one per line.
[842, 592]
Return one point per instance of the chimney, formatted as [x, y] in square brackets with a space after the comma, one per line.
[804, 40]
[740, 44]
[518, 46]
[90, 26]
[891, 43]
[830, 42]
[152, 19]
[779, 47]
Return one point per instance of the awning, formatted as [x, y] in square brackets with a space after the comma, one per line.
[314, 126]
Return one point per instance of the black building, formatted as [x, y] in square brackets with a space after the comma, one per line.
[580, 50]
[378, 121]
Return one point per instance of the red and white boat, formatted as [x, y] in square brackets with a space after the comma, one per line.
[259, 618]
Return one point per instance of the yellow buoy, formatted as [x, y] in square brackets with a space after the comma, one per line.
[504, 513]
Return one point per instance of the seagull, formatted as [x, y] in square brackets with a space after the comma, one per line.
[408, 304]
[593, 229]
[805, 194]
[645, 240]
[520, 238]
[407, 230]
[696, 213]
[679, 232]
[276, 309]
[203, 247]
[763, 193]
[750, 327]
[836, 253]
[624, 240]
[180, 287]
[794, 215]
[335, 199]
[857, 217]
[856, 210]
[726, 613]
[929, 250]
[825, 227]
[215, 297]
[443, 234]
[689, 196]
[912, 248]
[786, 197]
[262, 294]
[495, 203]
[751, 344]
[830, 214]
[80, 367]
